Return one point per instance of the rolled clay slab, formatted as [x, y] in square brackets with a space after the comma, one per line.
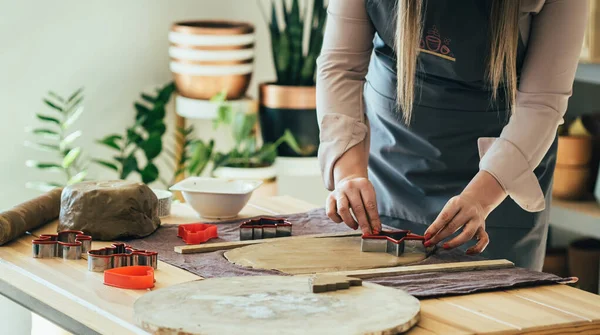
[316, 255]
[109, 210]
[274, 305]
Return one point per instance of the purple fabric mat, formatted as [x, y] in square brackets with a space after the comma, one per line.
[214, 264]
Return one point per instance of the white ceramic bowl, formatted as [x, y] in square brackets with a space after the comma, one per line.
[214, 198]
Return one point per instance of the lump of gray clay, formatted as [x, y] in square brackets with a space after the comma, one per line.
[109, 210]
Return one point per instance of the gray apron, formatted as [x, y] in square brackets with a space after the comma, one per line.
[415, 170]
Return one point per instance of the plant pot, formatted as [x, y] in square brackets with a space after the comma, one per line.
[292, 108]
[208, 110]
[259, 173]
[584, 262]
[597, 189]
[555, 262]
[574, 150]
[570, 182]
[208, 57]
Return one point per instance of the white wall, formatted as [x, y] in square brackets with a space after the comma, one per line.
[115, 48]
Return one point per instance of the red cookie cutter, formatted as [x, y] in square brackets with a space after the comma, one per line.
[130, 277]
[196, 233]
[66, 244]
[391, 242]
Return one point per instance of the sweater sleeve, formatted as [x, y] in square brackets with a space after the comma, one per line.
[341, 70]
[553, 50]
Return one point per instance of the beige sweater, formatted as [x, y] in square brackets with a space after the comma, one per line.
[553, 31]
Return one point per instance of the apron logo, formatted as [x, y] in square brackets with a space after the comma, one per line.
[434, 45]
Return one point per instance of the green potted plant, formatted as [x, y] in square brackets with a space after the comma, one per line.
[248, 159]
[290, 102]
[56, 138]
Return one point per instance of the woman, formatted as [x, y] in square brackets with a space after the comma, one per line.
[453, 107]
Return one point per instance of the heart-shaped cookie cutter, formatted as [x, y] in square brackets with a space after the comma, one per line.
[66, 244]
[197, 233]
[130, 277]
[120, 255]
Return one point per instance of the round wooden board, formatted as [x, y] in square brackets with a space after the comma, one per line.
[314, 255]
[274, 305]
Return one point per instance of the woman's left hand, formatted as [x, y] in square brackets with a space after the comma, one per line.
[467, 211]
[460, 212]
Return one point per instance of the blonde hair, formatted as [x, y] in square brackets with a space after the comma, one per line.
[504, 37]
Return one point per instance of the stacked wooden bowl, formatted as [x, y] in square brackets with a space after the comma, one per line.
[208, 57]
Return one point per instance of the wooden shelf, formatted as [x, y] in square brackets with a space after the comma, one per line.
[579, 217]
[589, 73]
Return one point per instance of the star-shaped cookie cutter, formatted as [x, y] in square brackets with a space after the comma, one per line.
[392, 242]
[265, 227]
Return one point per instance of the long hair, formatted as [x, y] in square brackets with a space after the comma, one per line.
[501, 69]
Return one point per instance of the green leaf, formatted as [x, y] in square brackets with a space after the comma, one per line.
[48, 119]
[219, 97]
[73, 117]
[148, 98]
[71, 157]
[42, 186]
[290, 140]
[53, 105]
[41, 131]
[141, 110]
[200, 156]
[111, 141]
[43, 166]
[165, 93]
[70, 139]
[77, 178]
[56, 96]
[106, 164]
[75, 95]
[43, 146]
[149, 173]
[73, 105]
[243, 125]
[134, 137]
[152, 146]
[130, 165]
[295, 32]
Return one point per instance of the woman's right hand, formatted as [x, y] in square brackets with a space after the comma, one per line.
[354, 194]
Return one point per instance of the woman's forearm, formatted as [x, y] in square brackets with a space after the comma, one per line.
[353, 163]
[485, 190]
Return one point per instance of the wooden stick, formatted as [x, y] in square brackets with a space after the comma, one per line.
[412, 269]
[194, 249]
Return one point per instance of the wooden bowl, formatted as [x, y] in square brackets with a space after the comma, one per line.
[208, 57]
[574, 150]
[570, 182]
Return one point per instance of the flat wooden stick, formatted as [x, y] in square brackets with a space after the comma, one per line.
[210, 247]
[412, 269]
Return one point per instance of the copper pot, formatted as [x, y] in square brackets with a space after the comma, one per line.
[208, 57]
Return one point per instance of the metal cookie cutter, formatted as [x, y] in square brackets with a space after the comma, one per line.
[265, 227]
[392, 242]
[119, 255]
[67, 244]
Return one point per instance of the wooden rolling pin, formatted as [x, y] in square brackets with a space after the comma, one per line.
[29, 215]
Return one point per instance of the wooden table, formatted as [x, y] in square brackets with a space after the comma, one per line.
[70, 296]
